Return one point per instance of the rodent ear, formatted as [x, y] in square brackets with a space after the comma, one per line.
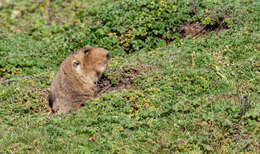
[75, 63]
[87, 49]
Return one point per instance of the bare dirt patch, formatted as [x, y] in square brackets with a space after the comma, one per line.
[125, 78]
[126, 81]
[197, 29]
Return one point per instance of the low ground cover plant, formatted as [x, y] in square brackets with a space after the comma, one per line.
[184, 76]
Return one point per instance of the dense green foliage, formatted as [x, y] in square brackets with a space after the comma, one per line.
[133, 25]
[122, 26]
[193, 95]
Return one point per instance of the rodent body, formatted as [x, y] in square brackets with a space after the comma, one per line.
[75, 82]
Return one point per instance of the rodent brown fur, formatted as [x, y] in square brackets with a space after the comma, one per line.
[75, 82]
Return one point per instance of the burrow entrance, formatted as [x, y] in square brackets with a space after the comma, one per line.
[123, 80]
[197, 29]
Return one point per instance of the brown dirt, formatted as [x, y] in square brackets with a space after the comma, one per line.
[196, 29]
[105, 85]
[125, 78]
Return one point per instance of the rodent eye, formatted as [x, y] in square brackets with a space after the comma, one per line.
[75, 63]
[86, 51]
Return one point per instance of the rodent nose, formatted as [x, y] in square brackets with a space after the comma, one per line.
[108, 56]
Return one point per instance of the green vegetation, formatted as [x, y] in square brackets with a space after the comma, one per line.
[172, 90]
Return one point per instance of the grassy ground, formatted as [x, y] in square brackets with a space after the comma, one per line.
[197, 94]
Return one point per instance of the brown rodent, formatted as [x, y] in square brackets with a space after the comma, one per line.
[75, 82]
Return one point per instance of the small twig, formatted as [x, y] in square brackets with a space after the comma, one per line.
[245, 105]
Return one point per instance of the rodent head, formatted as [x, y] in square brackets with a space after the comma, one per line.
[91, 62]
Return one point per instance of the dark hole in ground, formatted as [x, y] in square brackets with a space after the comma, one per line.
[197, 29]
[126, 81]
